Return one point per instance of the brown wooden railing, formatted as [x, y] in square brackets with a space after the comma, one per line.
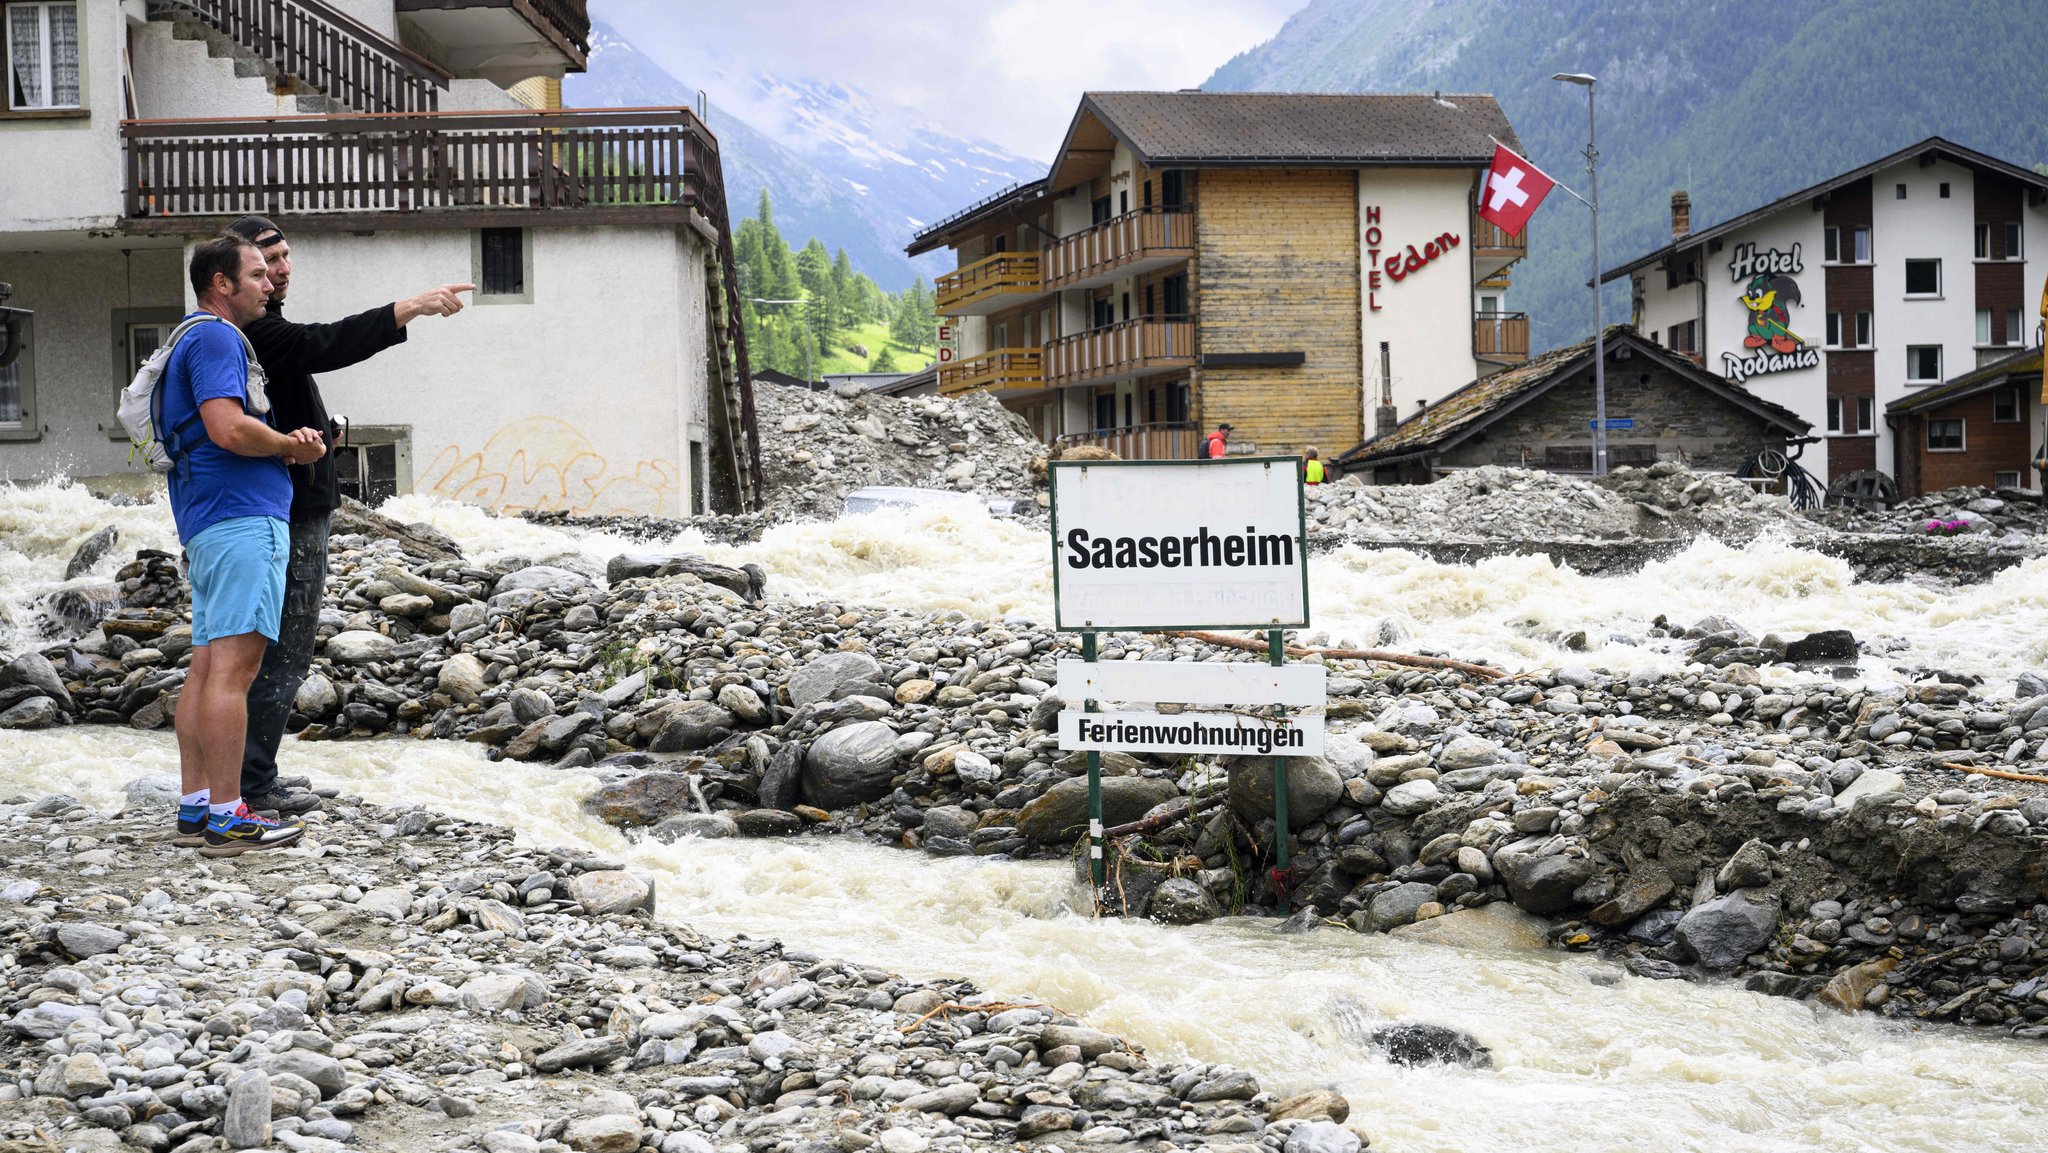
[1177, 441]
[659, 161]
[1142, 344]
[1501, 335]
[1489, 240]
[1147, 232]
[571, 16]
[1001, 274]
[327, 49]
[997, 370]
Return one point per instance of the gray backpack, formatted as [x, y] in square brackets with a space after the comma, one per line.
[141, 408]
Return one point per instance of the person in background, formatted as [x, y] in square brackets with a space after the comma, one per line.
[291, 353]
[230, 495]
[1218, 445]
[1312, 468]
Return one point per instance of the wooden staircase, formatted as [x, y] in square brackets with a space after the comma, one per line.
[331, 61]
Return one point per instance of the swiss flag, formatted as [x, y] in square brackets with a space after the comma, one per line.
[1513, 189]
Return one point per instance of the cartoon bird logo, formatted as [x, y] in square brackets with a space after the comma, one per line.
[1766, 298]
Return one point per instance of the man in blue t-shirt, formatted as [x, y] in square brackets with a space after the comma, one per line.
[230, 496]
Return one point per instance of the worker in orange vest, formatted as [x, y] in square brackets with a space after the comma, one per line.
[1217, 446]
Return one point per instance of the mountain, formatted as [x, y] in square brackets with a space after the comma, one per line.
[1738, 103]
[838, 166]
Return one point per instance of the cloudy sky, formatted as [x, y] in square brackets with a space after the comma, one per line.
[1009, 71]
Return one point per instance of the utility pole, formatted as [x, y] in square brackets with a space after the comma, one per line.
[1592, 155]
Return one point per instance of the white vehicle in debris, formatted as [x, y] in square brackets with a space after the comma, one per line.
[880, 496]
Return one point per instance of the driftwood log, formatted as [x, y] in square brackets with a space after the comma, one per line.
[1383, 656]
[2001, 774]
[1163, 818]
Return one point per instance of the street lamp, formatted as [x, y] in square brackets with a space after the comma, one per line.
[1592, 155]
[810, 338]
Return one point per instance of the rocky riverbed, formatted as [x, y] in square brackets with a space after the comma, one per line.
[403, 980]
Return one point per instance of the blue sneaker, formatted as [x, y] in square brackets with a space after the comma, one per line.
[242, 830]
[191, 826]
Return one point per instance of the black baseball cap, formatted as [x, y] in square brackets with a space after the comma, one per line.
[257, 230]
[1223, 426]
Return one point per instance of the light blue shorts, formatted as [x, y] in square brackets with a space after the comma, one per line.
[237, 573]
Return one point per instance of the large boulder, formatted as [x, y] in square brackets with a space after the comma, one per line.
[1313, 788]
[32, 670]
[1182, 901]
[1414, 1043]
[692, 725]
[1721, 932]
[849, 765]
[462, 678]
[1392, 908]
[359, 646]
[1542, 885]
[1061, 813]
[626, 566]
[835, 675]
[90, 552]
[646, 799]
[542, 577]
[783, 777]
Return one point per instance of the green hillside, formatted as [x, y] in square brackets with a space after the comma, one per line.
[874, 336]
[1736, 103]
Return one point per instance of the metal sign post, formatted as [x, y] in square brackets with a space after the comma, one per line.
[1148, 546]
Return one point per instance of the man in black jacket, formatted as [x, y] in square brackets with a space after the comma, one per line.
[290, 353]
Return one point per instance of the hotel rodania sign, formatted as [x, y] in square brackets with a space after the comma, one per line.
[1767, 296]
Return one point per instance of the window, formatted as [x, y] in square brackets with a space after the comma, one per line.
[135, 332]
[1983, 326]
[1105, 411]
[1866, 412]
[42, 56]
[1923, 278]
[1681, 271]
[1860, 240]
[2005, 479]
[1173, 189]
[18, 388]
[1835, 404]
[1098, 210]
[1944, 436]
[1105, 312]
[1998, 241]
[2012, 240]
[2005, 406]
[1983, 250]
[1176, 289]
[1177, 402]
[1944, 190]
[1684, 338]
[1923, 363]
[1902, 192]
[1834, 338]
[373, 463]
[1862, 330]
[503, 266]
[1831, 244]
[1123, 202]
[2014, 334]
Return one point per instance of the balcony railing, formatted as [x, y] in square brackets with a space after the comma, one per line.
[1145, 344]
[635, 165]
[1123, 246]
[327, 49]
[1501, 336]
[977, 287]
[1489, 241]
[998, 370]
[1166, 441]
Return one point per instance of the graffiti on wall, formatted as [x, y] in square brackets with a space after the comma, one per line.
[543, 462]
[1769, 344]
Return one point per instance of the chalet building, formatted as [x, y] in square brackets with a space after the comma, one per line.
[401, 144]
[1982, 428]
[1291, 265]
[1845, 298]
[1537, 415]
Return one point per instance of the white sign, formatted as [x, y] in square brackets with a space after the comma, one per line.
[1148, 545]
[1206, 683]
[1202, 734]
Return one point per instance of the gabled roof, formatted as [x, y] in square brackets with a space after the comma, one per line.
[2023, 366]
[1237, 129]
[974, 216]
[1934, 145]
[1464, 413]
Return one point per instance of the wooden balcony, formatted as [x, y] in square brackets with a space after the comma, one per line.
[1119, 351]
[1493, 250]
[1178, 441]
[1128, 245]
[998, 370]
[1502, 337]
[505, 41]
[437, 170]
[989, 284]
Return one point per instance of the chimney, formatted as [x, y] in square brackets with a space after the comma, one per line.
[1681, 216]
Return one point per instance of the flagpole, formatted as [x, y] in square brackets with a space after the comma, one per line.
[1599, 320]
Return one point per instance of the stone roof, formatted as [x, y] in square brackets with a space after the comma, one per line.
[1476, 405]
[1198, 129]
[2024, 365]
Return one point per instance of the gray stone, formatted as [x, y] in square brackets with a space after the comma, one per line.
[610, 891]
[317, 696]
[1413, 1043]
[831, 676]
[695, 725]
[542, 577]
[1467, 752]
[322, 1071]
[766, 823]
[582, 1053]
[851, 764]
[1321, 1137]
[1313, 788]
[1397, 906]
[1542, 885]
[85, 939]
[744, 703]
[1749, 868]
[950, 821]
[89, 553]
[462, 678]
[949, 1099]
[783, 778]
[1721, 932]
[1870, 783]
[710, 826]
[1092, 1043]
[33, 670]
[608, 1133]
[1826, 645]
[1410, 798]
[1061, 813]
[246, 1124]
[33, 713]
[360, 646]
[1182, 901]
[499, 992]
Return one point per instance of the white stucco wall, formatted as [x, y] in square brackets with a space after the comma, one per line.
[176, 79]
[1426, 316]
[580, 400]
[65, 173]
[1922, 226]
[73, 295]
[1803, 390]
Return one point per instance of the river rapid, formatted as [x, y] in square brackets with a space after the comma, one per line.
[1587, 1057]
